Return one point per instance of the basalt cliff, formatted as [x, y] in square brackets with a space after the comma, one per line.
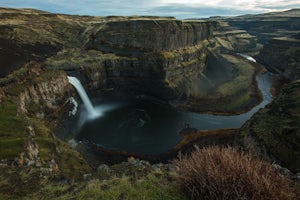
[281, 55]
[32, 101]
[268, 25]
[191, 64]
[273, 132]
[160, 57]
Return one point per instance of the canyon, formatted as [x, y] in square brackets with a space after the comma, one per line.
[192, 65]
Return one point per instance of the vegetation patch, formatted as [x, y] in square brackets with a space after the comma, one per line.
[73, 58]
[225, 173]
[152, 186]
[70, 162]
[281, 141]
[12, 123]
[11, 147]
[232, 96]
[16, 128]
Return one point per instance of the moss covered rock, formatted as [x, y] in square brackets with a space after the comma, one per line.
[31, 102]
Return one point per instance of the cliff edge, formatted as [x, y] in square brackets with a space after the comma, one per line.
[273, 131]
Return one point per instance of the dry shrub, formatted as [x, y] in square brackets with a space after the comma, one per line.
[226, 173]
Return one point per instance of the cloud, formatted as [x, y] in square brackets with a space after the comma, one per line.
[183, 12]
[177, 8]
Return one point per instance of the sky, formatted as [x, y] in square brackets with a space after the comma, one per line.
[178, 8]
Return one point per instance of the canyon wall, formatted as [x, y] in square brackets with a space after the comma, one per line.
[273, 132]
[32, 102]
[153, 35]
[267, 26]
[192, 63]
[154, 56]
[281, 55]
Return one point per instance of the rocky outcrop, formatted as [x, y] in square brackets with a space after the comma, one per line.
[268, 25]
[273, 131]
[31, 35]
[154, 56]
[229, 39]
[33, 101]
[281, 55]
[135, 36]
[46, 96]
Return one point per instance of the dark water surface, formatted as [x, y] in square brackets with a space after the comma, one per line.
[145, 127]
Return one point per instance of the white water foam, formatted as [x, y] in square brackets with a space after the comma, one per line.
[92, 113]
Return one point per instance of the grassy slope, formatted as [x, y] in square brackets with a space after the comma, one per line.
[276, 128]
[116, 188]
[14, 128]
[235, 94]
[120, 181]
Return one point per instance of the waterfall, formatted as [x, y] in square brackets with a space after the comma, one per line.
[247, 57]
[86, 100]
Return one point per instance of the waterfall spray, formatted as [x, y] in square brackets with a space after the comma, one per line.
[86, 100]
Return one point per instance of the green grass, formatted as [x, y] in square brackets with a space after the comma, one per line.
[152, 187]
[15, 126]
[282, 140]
[78, 58]
[10, 147]
[46, 147]
[230, 96]
[238, 101]
[169, 55]
[242, 80]
[70, 162]
[12, 123]
[279, 143]
[40, 127]
[236, 92]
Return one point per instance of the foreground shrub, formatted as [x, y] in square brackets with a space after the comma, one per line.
[226, 173]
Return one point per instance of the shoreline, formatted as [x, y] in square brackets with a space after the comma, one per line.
[201, 138]
[189, 137]
[256, 97]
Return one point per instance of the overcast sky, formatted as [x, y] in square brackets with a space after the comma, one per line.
[178, 8]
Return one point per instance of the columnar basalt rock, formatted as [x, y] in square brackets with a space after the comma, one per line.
[267, 26]
[156, 56]
[152, 35]
[153, 56]
[45, 95]
[281, 55]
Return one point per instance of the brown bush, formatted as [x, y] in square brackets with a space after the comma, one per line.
[226, 173]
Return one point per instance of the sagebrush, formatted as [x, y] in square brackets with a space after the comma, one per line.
[226, 173]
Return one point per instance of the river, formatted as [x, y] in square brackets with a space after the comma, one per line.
[145, 127]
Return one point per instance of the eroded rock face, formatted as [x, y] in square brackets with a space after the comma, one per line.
[281, 55]
[153, 56]
[273, 131]
[126, 37]
[44, 96]
[268, 25]
[156, 57]
[34, 100]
